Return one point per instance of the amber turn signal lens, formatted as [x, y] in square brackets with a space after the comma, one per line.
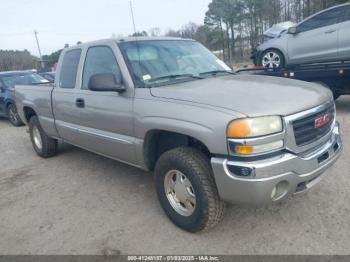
[244, 150]
[239, 129]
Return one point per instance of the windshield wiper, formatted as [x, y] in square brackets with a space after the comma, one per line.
[215, 72]
[170, 77]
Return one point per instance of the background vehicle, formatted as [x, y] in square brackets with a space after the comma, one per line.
[171, 107]
[335, 76]
[8, 80]
[323, 37]
[49, 76]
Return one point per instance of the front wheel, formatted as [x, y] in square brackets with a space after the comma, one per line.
[43, 145]
[272, 59]
[187, 191]
[13, 115]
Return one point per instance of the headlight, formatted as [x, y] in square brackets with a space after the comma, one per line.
[247, 136]
[254, 127]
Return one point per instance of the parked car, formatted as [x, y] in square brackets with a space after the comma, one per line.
[8, 80]
[323, 37]
[171, 107]
[49, 76]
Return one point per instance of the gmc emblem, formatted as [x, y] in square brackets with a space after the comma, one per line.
[323, 120]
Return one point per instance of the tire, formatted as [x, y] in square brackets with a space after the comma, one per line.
[43, 145]
[13, 116]
[272, 59]
[209, 209]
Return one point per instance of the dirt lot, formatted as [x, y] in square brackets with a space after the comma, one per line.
[81, 203]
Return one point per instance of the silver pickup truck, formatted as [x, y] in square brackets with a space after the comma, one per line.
[171, 107]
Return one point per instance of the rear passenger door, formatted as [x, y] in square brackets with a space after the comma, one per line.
[63, 97]
[344, 36]
[105, 118]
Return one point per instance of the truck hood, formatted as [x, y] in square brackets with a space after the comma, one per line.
[249, 95]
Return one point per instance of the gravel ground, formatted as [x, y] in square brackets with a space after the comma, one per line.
[81, 203]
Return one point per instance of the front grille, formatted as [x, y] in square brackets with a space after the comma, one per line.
[305, 131]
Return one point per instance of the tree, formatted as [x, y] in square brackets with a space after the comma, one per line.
[140, 34]
[155, 31]
[52, 59]
[17, 60]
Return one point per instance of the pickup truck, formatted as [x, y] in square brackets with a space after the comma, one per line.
[169, 106]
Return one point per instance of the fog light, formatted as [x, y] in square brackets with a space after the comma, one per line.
[279, 191]
[241, 171]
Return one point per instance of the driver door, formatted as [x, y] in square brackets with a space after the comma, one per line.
[316, 39]
[105, 120]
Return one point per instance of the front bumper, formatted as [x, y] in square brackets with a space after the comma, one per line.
[276, 178]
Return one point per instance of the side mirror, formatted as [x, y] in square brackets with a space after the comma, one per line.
[105, 83]
[293, 30]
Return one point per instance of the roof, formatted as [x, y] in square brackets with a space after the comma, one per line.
[129, 39]
[325, 10]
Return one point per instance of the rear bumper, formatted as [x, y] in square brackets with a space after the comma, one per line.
[276, 178]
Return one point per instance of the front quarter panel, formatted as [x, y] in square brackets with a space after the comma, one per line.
[203, 123]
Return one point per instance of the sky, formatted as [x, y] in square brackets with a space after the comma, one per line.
[68, 21]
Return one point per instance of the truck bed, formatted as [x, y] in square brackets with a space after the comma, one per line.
[38, 98]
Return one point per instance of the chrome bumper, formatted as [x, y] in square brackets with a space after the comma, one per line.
[276, 178]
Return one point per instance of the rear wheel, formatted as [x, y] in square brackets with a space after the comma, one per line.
[272, 59]
[13, 115]
[187, 191]
[43, 145]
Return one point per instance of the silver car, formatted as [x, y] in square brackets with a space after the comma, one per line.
[323, 37]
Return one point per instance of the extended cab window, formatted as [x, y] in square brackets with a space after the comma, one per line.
[99, 60]
[328, 18]
[69, 69]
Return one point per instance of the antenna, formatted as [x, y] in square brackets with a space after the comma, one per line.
[136, 37]
[133, 17]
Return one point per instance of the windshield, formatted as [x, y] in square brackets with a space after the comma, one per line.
[22, 79]
[164, 61]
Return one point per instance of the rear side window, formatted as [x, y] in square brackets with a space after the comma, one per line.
[327, 18]
[99, 60]
[69, 68]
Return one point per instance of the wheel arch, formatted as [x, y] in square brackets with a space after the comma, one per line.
[158, 141]
[28, 112]
[9, 102]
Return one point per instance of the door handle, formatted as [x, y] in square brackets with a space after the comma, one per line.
[330, 31]
[80, 103]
